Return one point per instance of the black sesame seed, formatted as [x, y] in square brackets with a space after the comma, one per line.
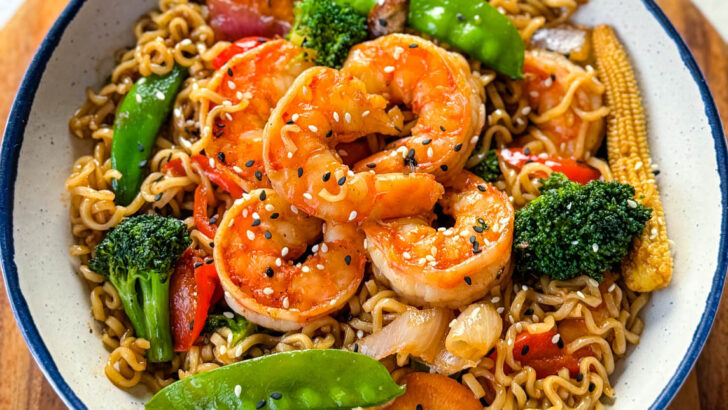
[419, 407]
[460, 17]
[473, 239]
[442, 128]
[262, 195]
[371, 165]
[484, 402]
[197, 265]
[490, 352]
[213, 220]
[656, 172]
[382, 22]
[553, 77]
[250, 163]
[230, 72]
[528, 312]
[260, 404]
[143, 163]
[258, 175]
[274, 215]
[159, 178]
[341, 181]
[443, 167]
[329, 134]
[560, 344]
[529, 161]
[289, 122]
[592, 386]
[347, 259]
[481, 188]
[397, 128]
[580, 377]
[524, 351]
[267, 235]
[300, 172]
[356, 347]
[140, 147]
[413, 45]
[478, 229]
[477, 251]
[458, 147]
[212, 244]
[221, 157]
[411, 153]
[219, 134]
[426, 141]
[158, 197]
[327, 176]
[527, 151]
[169, 157]
[256, 222]
[220, 125]
[269, 272]
[468, 280]
[209, 261]
[192, 324]
[276, 396]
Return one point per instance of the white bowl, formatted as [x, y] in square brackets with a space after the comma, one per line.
[51, 302]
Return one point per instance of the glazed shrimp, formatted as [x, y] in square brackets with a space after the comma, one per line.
[567, 104]
[253, 82]
[446, 267]
[441, 91]
[255, 246]
[323, 108]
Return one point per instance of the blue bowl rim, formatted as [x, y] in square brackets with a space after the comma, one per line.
[13, 139]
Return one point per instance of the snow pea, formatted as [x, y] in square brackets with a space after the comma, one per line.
[300, 380]
[137, 123]
[362, 7]
[475, 27]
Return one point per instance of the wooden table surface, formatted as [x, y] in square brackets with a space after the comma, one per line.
[23, 385]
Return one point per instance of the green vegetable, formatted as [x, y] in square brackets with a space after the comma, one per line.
[328, 29]
[136, 126]
[137, 257]
[362, 7]
[474, 27]
[574, 229]
[300, 380]
[238, 325]
[488, 168]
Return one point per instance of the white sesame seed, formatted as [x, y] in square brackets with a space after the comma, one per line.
[574, 242]
[495, 299]
[638, 165]
[237, 169]
[611, 287]
[388, 69]
[343, 153]
[422, 261]
[313, 128]
[631, 203]
[227, 103]
[526, 110]
[160, 95]
[232, 221]
[250, 234]
[279, 262]
[366, 243]
[307, 196]
[500, 310]
[359, 334]
[228, 116]
[231, 85]
[228, 315]
[238, 389]
[239, 95]
[290, 155]
[269, 207]
[255, 215]
[284, 251]
[433, 251]
[320, 266]
[268, 291]
[286, 303]
[580, 294]
[352, 215]
[211, 161]
[524, 288]
[245, 213]
[595, 247]
[138, 98]
[306, 269]
[365, 113]
[294, 209]
[406, 255]
[294, 117]
[336, 116]
[534, 94]
[549, 82]
[519, 327]
[430, 258]
[347, 117]
[315, 248]
[556, 338]
[474, 139]
[430, 152]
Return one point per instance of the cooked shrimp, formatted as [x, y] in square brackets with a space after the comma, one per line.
[441, 91]
[257, 78]
[567, 104]
[446, 267]
[323, 108]
[259, 238]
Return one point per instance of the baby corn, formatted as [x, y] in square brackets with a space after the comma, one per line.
[649, 264]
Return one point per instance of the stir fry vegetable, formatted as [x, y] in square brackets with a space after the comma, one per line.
[238, 47]
[474, 27]
[137, 124]
[488, 168]
[238, 325]
[574, 170]
[310, 379]
[435, 392]
[137, 257]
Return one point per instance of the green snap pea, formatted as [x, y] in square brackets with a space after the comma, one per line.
[136, 126]
[362, 7]
[475, 27]
[300, 380]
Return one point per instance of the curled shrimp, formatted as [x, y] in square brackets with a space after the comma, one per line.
[325, 107]
[252, 82]
[567, 104]
[446, 266]
[256, 245]
[441, 91]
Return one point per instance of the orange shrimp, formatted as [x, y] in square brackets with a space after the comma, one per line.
[441, 91]
[567, 103]
[325, 107]
[261, 76]
[446, 266]
[259, 238]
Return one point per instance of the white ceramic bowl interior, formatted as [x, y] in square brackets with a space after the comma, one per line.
[52, 302]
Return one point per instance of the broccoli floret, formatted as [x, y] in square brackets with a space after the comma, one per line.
[574, 229]
[137, 257]
[328, 29]
[488, 168]
[238, 325]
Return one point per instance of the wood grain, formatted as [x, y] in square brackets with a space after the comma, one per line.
[24, 386]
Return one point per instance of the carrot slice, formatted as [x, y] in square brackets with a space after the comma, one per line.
[434, 392]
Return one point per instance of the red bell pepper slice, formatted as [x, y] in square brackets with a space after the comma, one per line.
[202, 222]
[574, 170]
[238, 47]
[538, 351]
[191, 293]
[220, 174]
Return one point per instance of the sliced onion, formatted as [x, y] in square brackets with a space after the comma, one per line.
[415, 332]
[447, 363]
[564, 39]
[474, 332]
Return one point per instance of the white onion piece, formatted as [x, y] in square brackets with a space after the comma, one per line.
[415, 332]
[474, 332]
[447, 363]
[564, 39]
